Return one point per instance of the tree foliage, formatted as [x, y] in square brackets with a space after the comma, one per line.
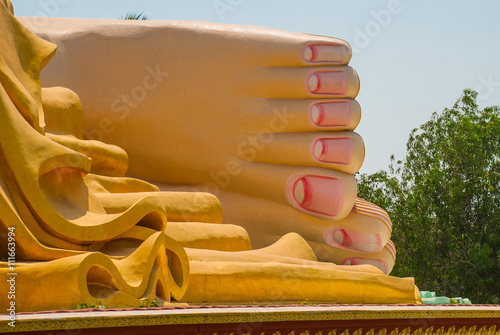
[134, 16]
[444, 200]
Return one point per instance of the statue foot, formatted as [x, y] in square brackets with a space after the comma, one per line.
[251, 114]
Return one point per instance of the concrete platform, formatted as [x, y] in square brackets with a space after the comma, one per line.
[266, 320]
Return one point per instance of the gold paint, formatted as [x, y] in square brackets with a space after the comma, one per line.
[480, 331]
[99, 322]
[491, 330]
[429, 331]
[450, 331]
[471, 330]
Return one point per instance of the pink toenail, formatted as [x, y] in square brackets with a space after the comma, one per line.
[316, 194]
[361, 260]
[352, 240]
[340, 236]
[311, 53]
[327, 82]
[332, 150]
[331, 113]
[324, 53]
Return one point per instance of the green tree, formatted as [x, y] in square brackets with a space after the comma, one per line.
[444, 201]
[134, 16]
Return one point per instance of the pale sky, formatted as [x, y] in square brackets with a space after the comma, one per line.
[413, 57]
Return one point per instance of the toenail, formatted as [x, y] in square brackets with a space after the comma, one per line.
[311, 53]
[361, 260]
[313, 83]
[331, 113]
[340, 236]
[300, 190]
[325, 53]
[327, 82]
[321, 195]
[333, 150]
[352, 240]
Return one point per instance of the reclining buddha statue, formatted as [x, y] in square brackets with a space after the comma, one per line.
[115, 175]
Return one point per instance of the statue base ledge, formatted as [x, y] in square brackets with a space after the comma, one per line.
[265, 320]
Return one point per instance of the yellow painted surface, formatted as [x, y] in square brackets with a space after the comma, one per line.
[87, 233]
[67, 248]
